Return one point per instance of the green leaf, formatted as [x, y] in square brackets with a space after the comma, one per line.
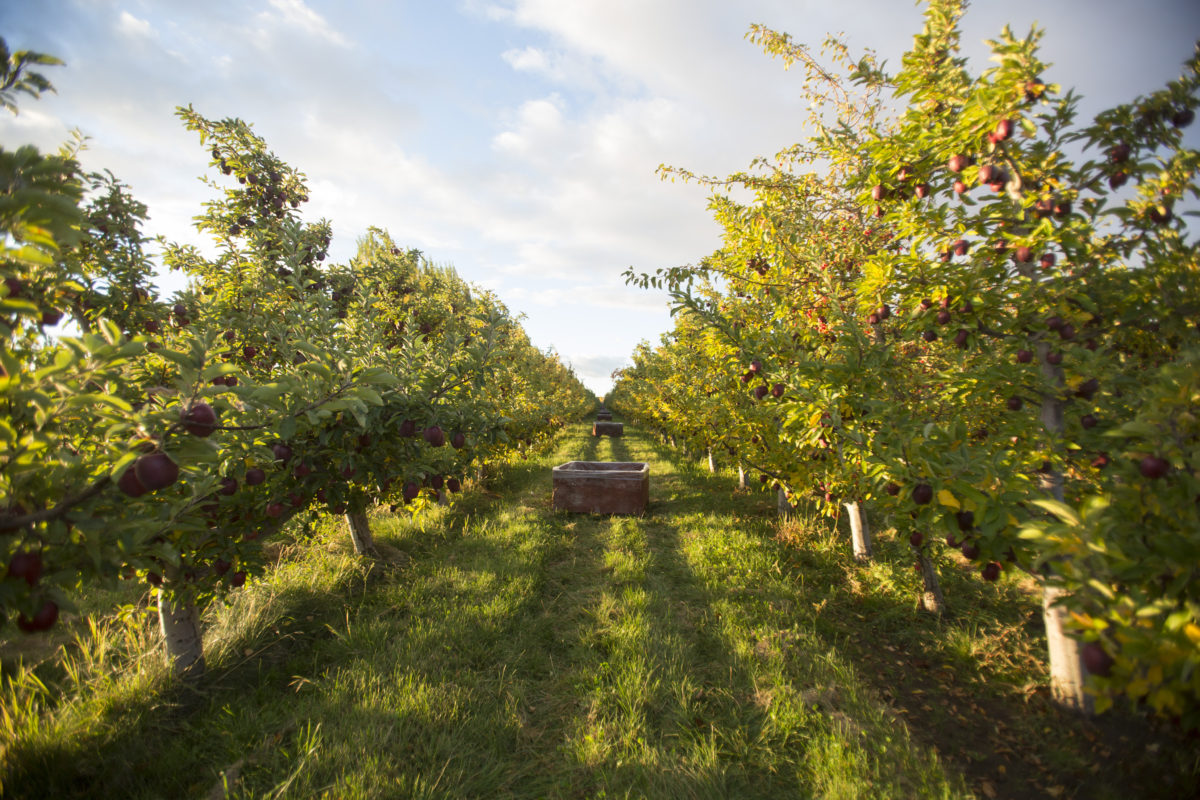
[184, 360]
[369, 395]
[1058, 509]
[86, 400]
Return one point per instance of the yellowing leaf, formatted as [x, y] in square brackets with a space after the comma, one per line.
[946, 498]
[1193, 632]
[1162, 699]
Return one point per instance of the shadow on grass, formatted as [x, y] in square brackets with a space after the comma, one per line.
[172, 739]
[961, 683]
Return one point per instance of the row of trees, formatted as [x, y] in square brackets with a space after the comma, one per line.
[958, 305]
[164, 440]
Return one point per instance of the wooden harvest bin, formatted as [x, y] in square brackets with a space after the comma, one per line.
[605, 416]
[602, 487]
[608, 428]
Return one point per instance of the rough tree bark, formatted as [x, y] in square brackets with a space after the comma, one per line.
[932, 599]
[360, 534]
[179, 622]
[860, 534]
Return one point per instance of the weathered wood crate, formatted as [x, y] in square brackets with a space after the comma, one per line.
[602, 487]
[605, 416]
[608, 428]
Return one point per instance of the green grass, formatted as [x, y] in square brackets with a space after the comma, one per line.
[503, 649]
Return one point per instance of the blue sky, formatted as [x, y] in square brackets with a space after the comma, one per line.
[515, 139]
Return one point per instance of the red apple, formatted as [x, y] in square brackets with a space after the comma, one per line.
[1154, 467]
[26, 566]
[130, 485]
[43, 619]
[199, 419]
[1096, 659]
[282, 452]
[156, 471]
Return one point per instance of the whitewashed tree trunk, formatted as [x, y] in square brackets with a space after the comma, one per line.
[179, 622]
[931, 592]
[860, 534]
[1067, 672]
[741, 477]
[781, 503]
[712, 464]
[1066, 655]
[443, 500]
[674, 444]
[360, 534]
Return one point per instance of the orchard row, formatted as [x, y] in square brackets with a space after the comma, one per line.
[959, 308]
[166, 440]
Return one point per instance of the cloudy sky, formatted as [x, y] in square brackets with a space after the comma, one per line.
[517, 140]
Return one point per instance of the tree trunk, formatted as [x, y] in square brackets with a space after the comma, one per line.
[674, 445]
[1067, 672]
[360, 534]
[443, 500]
[860, 534]
[781, 503]
[931, 593]
[741, 477]
[180, 625]
[712, 464]
[1066, 655]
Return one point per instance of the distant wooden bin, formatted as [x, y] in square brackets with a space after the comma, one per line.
[602, 487]
[608, 428]
[605, 416]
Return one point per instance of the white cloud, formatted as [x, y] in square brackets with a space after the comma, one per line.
[596, 370]
[605, 296]
[539, 125]
[527, 59]
[130, 25]
[299, 15]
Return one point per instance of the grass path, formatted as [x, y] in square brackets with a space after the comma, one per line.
[508, 650]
